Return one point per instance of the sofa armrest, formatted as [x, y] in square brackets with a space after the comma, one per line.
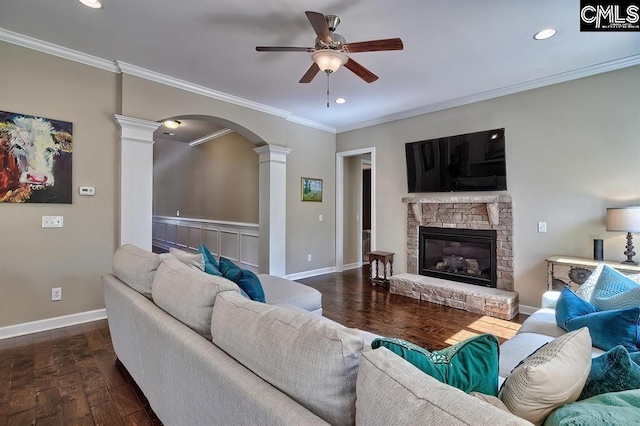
[549, 299]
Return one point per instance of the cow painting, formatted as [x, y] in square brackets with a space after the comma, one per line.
[35, 159]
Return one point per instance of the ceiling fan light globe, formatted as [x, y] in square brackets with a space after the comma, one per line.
[328, 60]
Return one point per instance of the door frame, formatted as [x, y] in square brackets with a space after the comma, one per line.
[340, 158]
[362, 163]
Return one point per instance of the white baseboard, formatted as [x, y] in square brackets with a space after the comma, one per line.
[352, 266]
[51, 323]
[312, 273]
[527, 310]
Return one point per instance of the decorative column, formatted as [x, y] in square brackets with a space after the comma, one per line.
[272, 208]
[136, 180]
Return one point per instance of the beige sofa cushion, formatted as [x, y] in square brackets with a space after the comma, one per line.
[187, 294]
[195, 260]
[312, 361]
[550, 377]
[391, 391]
[135, 267]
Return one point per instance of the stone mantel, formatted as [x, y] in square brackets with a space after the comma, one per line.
[491, 202]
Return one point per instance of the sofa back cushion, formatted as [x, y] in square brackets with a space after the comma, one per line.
[188, 294]
[391, 391]
[312, 361]
[135, 267]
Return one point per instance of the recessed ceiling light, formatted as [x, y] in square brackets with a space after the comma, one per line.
[171, 124]
[341, 100]
[94, 4]
[169, 134]
[544, 34]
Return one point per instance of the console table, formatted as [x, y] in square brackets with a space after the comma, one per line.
[574, 271]
[384, 257]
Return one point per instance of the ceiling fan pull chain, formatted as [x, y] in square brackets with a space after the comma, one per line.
[327, 90]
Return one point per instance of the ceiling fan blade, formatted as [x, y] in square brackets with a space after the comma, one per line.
[283, 49]
[360, 71]
[320, 26]
[310, 74]
[375, 45]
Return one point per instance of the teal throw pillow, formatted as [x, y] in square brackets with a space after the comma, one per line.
[615, 408]
[570, 306]
[613, 371]
[471, 365]
[614, 290]
[609, 329]
[211, 265]
[245, 279]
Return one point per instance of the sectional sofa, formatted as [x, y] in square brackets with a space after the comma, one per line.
[203, 354]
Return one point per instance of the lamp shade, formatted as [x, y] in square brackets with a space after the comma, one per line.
[624, 219]
[329, 60]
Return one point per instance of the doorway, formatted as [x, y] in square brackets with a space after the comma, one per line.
[350, 220]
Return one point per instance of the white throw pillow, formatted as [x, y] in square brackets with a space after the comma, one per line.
[586, 288]
[195, 260]
[551, 376]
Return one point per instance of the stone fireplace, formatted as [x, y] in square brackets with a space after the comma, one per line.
[487, 214]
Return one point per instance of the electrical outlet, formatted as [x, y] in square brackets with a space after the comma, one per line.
[178, 213]
[308, 258]
[56, 294]
[542, 226]
[320, 218]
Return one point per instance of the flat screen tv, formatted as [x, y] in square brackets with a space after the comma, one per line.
[470, 162]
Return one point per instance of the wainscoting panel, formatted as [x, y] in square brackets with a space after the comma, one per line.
[229, 244]
[233, 240]
[249, 248]
[210, 238]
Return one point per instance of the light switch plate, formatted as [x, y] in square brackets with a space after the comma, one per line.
[542, 226]
[87, 190]
[52, 221]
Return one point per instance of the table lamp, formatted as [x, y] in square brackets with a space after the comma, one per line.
[625, 219]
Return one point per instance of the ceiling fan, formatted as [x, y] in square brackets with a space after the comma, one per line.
[330, 50]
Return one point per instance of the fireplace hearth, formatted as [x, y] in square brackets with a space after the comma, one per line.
[463, 255]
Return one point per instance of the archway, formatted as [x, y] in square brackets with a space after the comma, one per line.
[136, 188]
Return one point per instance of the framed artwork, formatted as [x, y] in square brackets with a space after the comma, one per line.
[35, 159]
[311, 189]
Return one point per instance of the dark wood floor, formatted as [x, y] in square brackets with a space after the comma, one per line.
[350, 299]
[69, 376]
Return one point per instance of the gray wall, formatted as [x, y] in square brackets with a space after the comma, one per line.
[215, 180]
[33, 259]
[573, 149]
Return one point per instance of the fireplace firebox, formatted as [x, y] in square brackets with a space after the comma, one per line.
[464, 255]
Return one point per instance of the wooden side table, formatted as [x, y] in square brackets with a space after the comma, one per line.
[574, 271]
[384, 257]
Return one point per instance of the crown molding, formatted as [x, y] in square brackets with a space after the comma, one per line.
[212, 136]
[59, 51]
[123, 67]
[591, 70]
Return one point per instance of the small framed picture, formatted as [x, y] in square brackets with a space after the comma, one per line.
[311, 189]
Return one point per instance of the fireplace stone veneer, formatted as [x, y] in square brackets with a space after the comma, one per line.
[465, 212]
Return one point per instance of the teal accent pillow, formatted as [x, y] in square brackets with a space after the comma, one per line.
[245, 279]
[616, 408]
[569, 306]
[471, 365]
[211, 265]
[613, 371]
[614, 290]
[609, 329]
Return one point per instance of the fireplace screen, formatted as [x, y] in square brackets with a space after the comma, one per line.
[464, 255]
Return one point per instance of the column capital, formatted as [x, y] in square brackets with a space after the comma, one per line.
[272, 153]
[136, 129]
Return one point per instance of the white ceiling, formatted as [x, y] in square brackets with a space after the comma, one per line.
[453, 48]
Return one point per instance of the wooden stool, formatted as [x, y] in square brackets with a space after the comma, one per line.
[385, 257]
